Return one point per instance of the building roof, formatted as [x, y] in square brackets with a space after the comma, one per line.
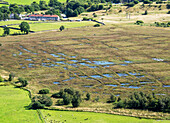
[41, 15]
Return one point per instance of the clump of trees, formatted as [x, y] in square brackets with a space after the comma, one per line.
[40, 101]
[69, 95]
[140, 100]
[163, 24]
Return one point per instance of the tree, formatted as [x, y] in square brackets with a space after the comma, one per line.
[44, 91]
[36, 105]
[6, 30]
[88, 96]
[67, 98]
[11, 76]
[76, 101]
[23, 82]
[113, 98]
[61, 28]
[24, 27]
[43, 99]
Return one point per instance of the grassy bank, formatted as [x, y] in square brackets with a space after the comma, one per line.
[13, 103]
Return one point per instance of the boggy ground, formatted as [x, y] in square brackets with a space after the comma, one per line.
[110, 59]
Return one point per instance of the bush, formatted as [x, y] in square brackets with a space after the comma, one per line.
[113, 98]
[97, 25]
[76, 101]
[44, 91]
[67, 98]
[88, 96]
[168, 12]
[56, 95]
[59, 102]
[23, 82]
[62, 28]
[36, 105]
[43, 99]
[11, 77]
[138, 22]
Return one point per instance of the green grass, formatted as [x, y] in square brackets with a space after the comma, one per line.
[53, 26]
[12, 106]
[13, 22]
[77, 117]
[12, 31]
[27, 2]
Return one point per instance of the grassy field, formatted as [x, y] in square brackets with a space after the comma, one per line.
[27, 2]
[13, 22]
[53, 26]
[87, 117]
[13, 102]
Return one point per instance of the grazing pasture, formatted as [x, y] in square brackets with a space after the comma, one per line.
[13, 103]
[89, 117]
[109, 59]
[56, 25]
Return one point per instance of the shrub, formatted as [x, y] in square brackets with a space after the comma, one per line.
[76, 101]
[168, 12]
[23, 82]
[56, 95]
[36, 105]
[43, 99]
[97, 25]
[62, 28]
[67, 98]
[138, 22]
[88, 96]
[44, 91]
[59, 102]
[11, 77]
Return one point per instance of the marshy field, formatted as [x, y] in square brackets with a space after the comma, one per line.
[110, 59]
[118, 58]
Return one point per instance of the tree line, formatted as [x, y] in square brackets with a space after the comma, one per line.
[149, 101]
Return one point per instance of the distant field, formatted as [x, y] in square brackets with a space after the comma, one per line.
[13, 22]
[12, 31]
[27, 2]
[53, 26]
[88, 117]
[12, 106]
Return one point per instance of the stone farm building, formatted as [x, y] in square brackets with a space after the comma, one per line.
[44, 17]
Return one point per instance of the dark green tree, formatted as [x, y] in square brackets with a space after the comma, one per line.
[24, 27]
[6, 30]
[76, 100]
[11, 76]
[67, 98]
[23, 82]
[61, 28]
[88, 96]
[44, 91]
